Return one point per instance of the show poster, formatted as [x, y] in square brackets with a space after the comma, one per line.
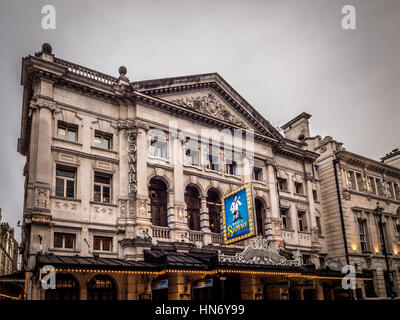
[237, 213]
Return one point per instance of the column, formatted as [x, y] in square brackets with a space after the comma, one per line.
[248, 287]
[205, 220]
[319, 291]
[273, 224]
[176, 286]
[177, 213]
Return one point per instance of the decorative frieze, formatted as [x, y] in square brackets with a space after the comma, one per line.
[41, 198]
[209, 105]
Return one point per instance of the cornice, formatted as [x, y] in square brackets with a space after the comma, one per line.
[84, 155]
[369, 163]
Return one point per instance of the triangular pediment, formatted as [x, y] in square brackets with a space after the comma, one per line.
[209, 103]
[209, 95]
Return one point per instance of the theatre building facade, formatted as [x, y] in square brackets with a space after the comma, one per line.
[123, 189]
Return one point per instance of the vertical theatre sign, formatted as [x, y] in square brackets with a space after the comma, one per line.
[130, 129]
[237, 214]
[132, 156]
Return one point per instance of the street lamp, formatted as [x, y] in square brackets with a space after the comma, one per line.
[378, 211]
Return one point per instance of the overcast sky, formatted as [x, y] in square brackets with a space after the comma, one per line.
[284, 57]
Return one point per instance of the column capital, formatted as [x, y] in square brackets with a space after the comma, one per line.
[131, 127]
[38, 102]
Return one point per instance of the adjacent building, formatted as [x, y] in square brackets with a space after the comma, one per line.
[123, 187]
[8, 249]
[352, 187]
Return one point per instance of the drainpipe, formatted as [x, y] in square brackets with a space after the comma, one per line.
[335, 161]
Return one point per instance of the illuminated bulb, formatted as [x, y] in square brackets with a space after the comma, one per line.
[354, 246]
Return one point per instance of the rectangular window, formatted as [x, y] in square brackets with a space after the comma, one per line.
[360, 183]
[390, 191]
[65, 182]
[102, 188]
[385, 234]
[371, 182]
[212, 162]
[397, 191]
[102, 243]
[362, 229]
[318, 220]
[379, 186]
[231, 167]
[67, 131]
[299, 188]
[191, 156]
[257, 174]
[285, 217]
[158, 148]
[302, 221]
[102, 140]
[315, 195]
[64, 240]
[352, 178]
[282, 184]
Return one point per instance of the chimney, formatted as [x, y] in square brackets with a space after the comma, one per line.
[298, 128]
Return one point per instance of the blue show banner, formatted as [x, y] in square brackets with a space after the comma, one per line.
[237, 214]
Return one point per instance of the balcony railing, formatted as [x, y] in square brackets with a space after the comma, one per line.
[160, 232]
[86, 72]
[217, 238]
[196, 236]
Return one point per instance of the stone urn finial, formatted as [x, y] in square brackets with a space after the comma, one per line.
[46, 48]
[122, 71]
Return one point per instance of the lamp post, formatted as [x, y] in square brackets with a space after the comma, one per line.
[378, 211]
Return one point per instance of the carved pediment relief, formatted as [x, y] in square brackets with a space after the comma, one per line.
[104, 126]
[208, 104]
[68, 116]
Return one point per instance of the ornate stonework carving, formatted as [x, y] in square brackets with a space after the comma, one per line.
[259, 252]
[102, 210]
[38, 103]
[210, 106]
[122, 207]
[41, 198]
[180, 212]
[66, 205]
[142, 207]
[346, 194]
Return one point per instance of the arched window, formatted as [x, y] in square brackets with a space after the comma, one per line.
[158, 202]
[214, 210]
[67, 288]
[101, 287]
[260, 219]
[192, 200]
